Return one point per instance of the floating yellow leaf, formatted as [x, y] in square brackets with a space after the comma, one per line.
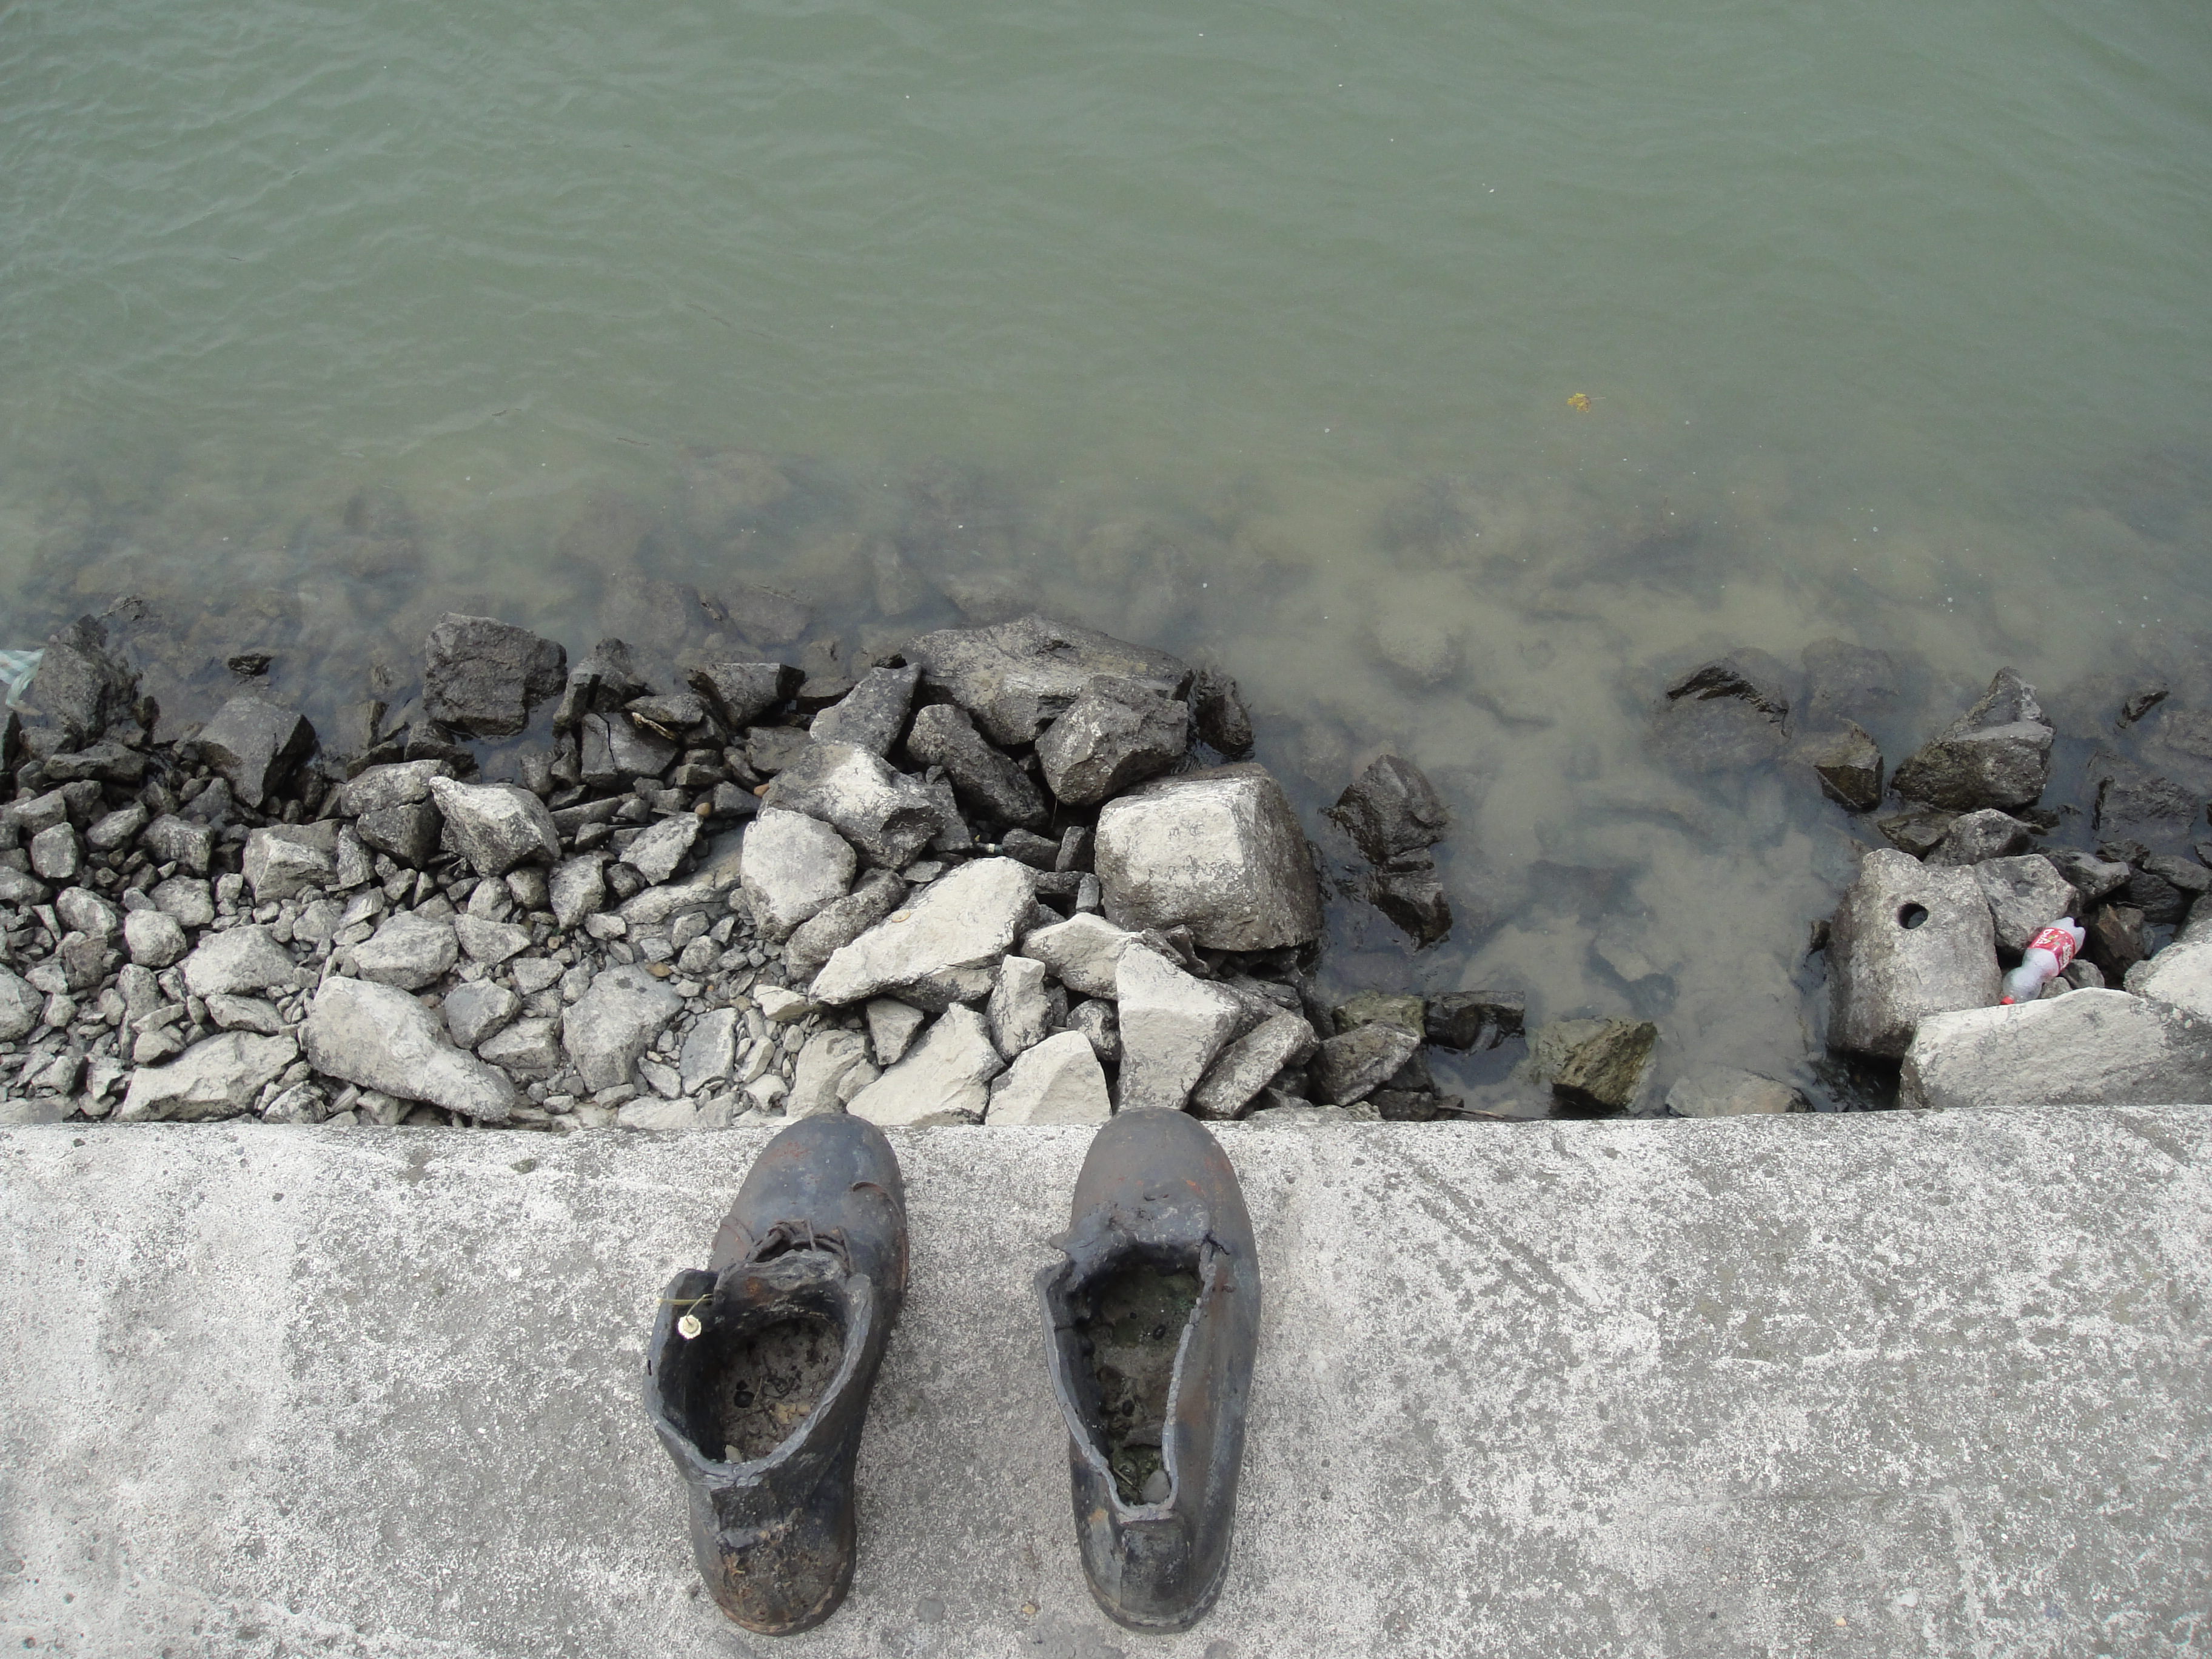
[1580, 401]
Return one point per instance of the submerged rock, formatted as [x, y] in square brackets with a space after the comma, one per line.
[1473, 1021]
[1728, 1091]
[1353, 1065]
[1848, 764]
[1728, 713]
[1595, 1065]
[1218, 851]
[253, 746]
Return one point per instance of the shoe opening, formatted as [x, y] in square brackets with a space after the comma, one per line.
[1129, 1326]
[758, 1385]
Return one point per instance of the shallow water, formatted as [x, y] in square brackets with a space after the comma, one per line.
[1248, 331]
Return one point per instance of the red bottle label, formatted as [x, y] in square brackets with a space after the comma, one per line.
[2058, 942]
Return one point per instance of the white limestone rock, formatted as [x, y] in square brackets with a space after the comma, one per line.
[407, 950]
[1219, 851]
[942, 948]
[891, 1027]
[2086, 1048]
[794, 865]
[238, 959]
[378, 1036]
[1057, 1081]
[1019, 1010]
[1084, 953]
[219, 1077]
[496, 826]
[613, 1023]
[1172, 1026]
[942, 1081]
[833, 1067]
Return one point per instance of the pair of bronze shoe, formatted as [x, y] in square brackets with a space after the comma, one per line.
[761, 1364]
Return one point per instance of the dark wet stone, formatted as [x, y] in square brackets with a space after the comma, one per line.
[988, 781]
[2190, 875]
[2092, 877]
[762, 615]
[1847, 684]
[2117, 940]
[2132, 800]
[1976, 837]
[1919, 832]
[1407, 1106]
[409, 833]
[81, 687]
[615, 749]
[670, 715]
[1723, 713]
[741, 692]
[484, 675]
[873, 715]
[2161, 901]
[1996, 754]
[2141, 702]
[731, 801]
[1603, 1072]
[663, 614]
[1391, 809]
[1115, 733]
[1018, 675]
[1217, 714]
[1848, 764]
[1414, 899]
[432, 740]
[1473, 1021]
[109, 763]
[254, 745]
[1035, 851]
[601, 684]
[1404, 1008]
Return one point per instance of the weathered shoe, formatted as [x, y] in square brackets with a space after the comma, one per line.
[1150, 1324]
[758, 1376]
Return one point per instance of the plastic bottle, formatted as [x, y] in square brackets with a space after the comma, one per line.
[2046, 957]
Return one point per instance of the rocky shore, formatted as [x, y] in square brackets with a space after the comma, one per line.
[1014, 874]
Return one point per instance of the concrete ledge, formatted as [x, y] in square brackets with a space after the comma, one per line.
[1876, 1385]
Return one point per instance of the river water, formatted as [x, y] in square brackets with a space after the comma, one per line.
[1448, 374]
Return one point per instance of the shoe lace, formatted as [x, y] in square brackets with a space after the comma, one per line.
[801, 1235]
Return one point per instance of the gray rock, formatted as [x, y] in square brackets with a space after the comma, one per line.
[2025, 895]
[476, 1008]
[891, 1026]
[986, 780]
[1594, 1065]
[83, 911]
[81, 687]
[663, 1115]
[1906, 942]
[254, 744]
[1116, 732]
[942, 948]
[407, 950]
[187, 898]
[1848, 764]
[1977, 837]
[1250, 1063]
[1084, 953]
[284, 860]
[841, 921]
[2117, 940]
[380, 789]
[241, 959]
[615, 749]
[873, 715]
[1218, 851]
[56, 854]
[383, 1039]
[1096, 1024]
[578, 888]
[2135, 802]
[2180, 975]
[1727, 1091]
[1919, 832]
[833, 1067]
[1020, 1010]
[657, 853]
[1996, 754]
[614, 1022]
[741, 692]
[1391, 809]
[172, 840]
[490, 943]
[154, 939]
[941, 1080]
[1846, 683]
[529, 1049]
[2086, 1048]
[1473, 1021]
[253, 1014]
[21, 1006]
[105, 763]
[18, 888]
[411, 833]
[1217, 714]
[2091, 877]
[1354, 1064]
[710, 1054]
[1018, 675]
[220, 1076]
[115, 830]
[1058, 1080]
[484, 677]
[495, 826]
[888, 816]
[1414, 900]
[794, 866]
[1172, 1026]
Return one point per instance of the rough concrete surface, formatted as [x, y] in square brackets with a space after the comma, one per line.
[1884, 1385]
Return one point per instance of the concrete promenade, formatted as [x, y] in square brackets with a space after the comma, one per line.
[1896, 1384]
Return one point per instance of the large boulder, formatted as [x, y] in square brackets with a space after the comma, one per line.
[254, 744]
[1218, 851]
[1017, 677]
[2084, 1048]
[794, 866]
[1116, 732]
[81, 687]
[941, 949]
[1172, 1027]
[941, 1080]
[889, 816]
[1906, 942]
[1996, 754]
[1392, 809]
[484, 675]
[380, 1038]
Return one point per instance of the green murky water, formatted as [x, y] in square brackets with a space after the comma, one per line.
[1249, 330]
